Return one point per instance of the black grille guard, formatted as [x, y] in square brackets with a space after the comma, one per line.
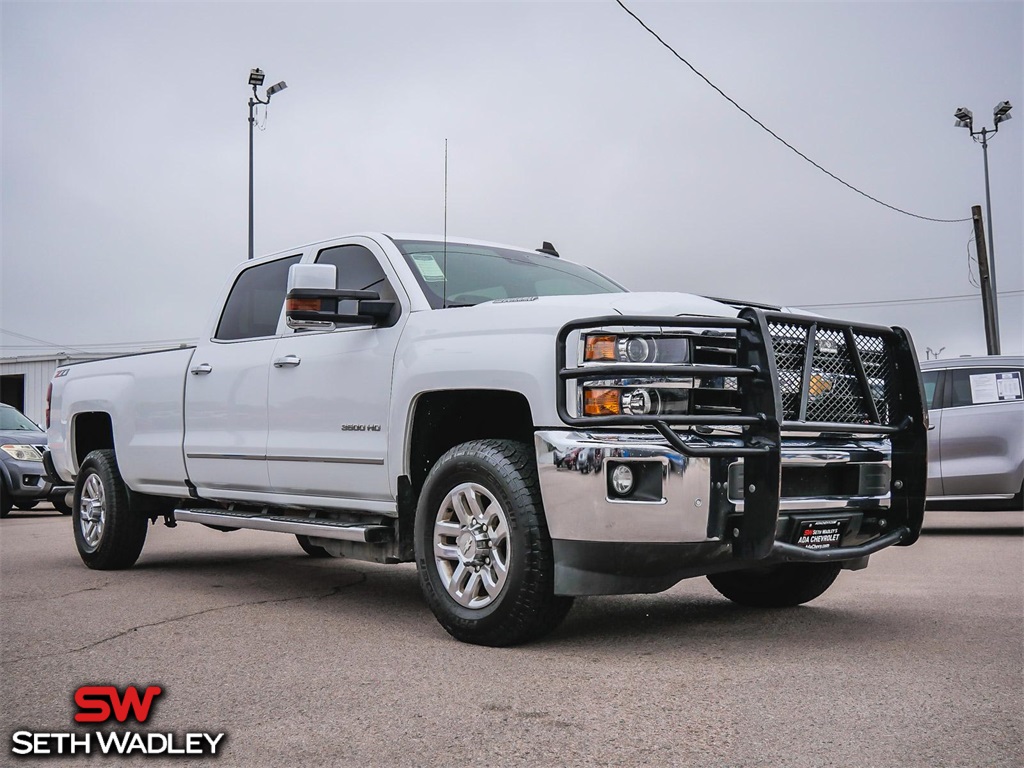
[897, 412]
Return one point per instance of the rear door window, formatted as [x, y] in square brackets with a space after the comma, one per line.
[254, 305]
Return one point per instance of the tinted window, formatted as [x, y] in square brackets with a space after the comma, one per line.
[358, 270]
[930, 379]
[254, 304]
[976, 386]
[458, 274]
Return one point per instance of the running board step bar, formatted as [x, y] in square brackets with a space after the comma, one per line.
[324, 529]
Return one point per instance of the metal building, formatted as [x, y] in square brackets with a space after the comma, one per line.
[23, 381]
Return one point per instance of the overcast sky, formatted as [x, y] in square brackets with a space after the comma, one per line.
[124, 151]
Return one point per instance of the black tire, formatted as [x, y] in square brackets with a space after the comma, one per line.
[777, 586]
[26, 505]
[60, 505]
[515, 565]
[108, 534]
[309, 548]
[5, 500]
[1017, 502]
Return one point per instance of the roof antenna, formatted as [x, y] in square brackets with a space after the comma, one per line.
[444, 256]
[548, 248]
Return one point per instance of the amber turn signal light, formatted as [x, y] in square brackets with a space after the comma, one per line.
[600, 348]
[303, 305]
[601, 402]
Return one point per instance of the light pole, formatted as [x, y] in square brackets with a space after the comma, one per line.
[256, 80]
[965, 119]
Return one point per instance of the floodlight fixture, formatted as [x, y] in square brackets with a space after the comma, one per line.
[964, 117]
[1001, 112]
[256, 80]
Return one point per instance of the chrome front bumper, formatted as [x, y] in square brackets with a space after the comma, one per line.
[697, 495]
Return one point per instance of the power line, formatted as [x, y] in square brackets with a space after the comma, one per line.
[921, 300]
[775, 135]
[43, 344]
[41, 341]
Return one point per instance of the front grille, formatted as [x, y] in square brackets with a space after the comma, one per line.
[790, 342]
[834, 392]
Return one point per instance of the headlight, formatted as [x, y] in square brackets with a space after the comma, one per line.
[631, 400]
[636, 395]
[22, 452]
[611, 348]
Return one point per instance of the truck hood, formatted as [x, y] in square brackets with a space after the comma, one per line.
[547, 314]
[560, 309]
[22, 437]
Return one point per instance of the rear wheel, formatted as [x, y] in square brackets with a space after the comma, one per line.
[482, 546]
[109, 536]
[776, 586]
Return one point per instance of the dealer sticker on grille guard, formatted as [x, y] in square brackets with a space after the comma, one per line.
[820, 534]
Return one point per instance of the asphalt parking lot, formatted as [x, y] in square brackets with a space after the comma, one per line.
[916, 661]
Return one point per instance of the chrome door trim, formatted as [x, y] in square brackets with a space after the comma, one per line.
[310, 459]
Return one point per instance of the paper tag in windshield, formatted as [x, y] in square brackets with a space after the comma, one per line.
[428, 267]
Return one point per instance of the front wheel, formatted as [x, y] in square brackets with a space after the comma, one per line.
[482, 546]
[776, 586]
[26, 505]
[6, 502]
[109, 536]
[311, 549]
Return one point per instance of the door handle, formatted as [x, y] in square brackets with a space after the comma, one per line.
[201, 368]
[288, 361]
[931, 427]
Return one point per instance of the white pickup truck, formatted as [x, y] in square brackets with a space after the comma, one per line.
[520, 426]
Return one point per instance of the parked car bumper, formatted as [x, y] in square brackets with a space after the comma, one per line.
[26, 480]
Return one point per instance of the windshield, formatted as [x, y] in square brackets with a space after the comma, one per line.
[465, 275]
[11, 418]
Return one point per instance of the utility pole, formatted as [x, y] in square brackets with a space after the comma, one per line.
[965, 119]
[988, 287]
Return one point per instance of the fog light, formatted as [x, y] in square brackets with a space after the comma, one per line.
[622, 479]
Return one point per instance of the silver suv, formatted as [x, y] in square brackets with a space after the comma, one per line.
[976, 432]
